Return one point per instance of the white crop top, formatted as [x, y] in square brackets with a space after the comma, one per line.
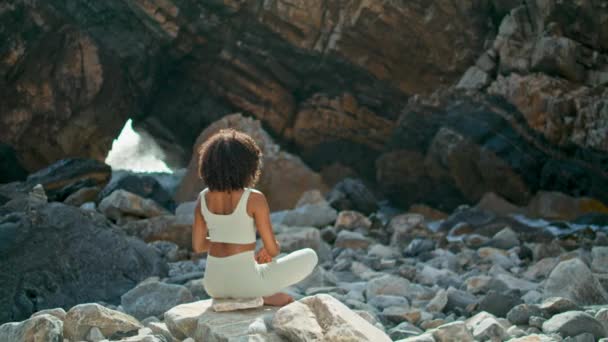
[237, 227]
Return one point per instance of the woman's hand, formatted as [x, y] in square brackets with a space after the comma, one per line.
[263, 257]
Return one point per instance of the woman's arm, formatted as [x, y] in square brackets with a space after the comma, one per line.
[261, 216]
[200, 243]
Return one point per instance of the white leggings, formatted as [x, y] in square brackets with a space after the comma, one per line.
[240, 276]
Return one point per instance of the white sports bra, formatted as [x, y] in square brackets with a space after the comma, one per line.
[237, 227]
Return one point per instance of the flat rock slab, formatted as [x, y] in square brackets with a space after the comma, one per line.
[234, 325]
[233, 304]
[200, 321]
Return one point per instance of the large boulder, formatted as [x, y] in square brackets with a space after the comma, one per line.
[143, 185]
[153, 298]
[558, 206]
[177, 229]
[573, 280]
[309, 215]
[469, 144]
[65, 256]
[81, 318]
[44, 327]
[573, 323]
[284, 176]
[67, 176]
[352, 194]
[545, 101]
[322, 317]
[199, 321]
[122, 203]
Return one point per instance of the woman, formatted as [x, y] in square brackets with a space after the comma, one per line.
[229, 211]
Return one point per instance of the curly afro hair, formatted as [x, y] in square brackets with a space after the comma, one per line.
[229, 160]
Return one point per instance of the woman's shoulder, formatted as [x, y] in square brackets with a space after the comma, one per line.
[256, 195]
[255, 191]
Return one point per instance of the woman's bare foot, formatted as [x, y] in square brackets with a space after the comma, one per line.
[278, 299]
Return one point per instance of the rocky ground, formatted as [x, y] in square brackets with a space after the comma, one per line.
[493, 271]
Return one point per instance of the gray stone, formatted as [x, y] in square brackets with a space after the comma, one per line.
[426, 337]
[573, 323]
[602, 317]
[199, 321]
[384, 301]
[496, 256]
[557, 55]
[600, 259]
[419, 246]
[513, 283]
[71, 257]
[310, 197]
[395, 314]
[186, 209]
[556, 305]
[297, 322]
[499, 304]
[515, 331]
[181, 320]
[429, 275]
[123, 203]
[363, 271]
[352, 220]
[439, 302]
[95, 335]
[459, 300]
[474, 78]
[82, 196]
[387, 285]
[335, 322]
[43, 328]
[520, 314]
[310, 215]
[81, 318]
[536, 321]
[535, 337]
[584, 337]
[541, 269]
[488, 329]
[478, 284]
[404, 330]
[455, 331]
[295, 238]
[505, 239]
[353, 240]
[532, 297]
[154, 298]
[547, 250]
[382, 251]
[572, 279]
[160, 328]
[171, 228]
[402, 227]
[57, 312]
[329, 234]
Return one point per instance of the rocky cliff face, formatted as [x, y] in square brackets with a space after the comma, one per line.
[334, 81]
